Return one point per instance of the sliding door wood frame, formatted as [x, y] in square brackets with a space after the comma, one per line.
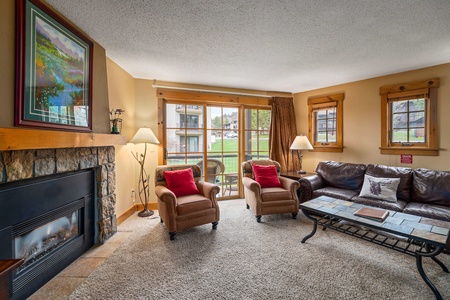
[208, 99]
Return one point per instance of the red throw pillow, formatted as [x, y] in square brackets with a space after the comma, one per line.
[266, 176]
[181, 182]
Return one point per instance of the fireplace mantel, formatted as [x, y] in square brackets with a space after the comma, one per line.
[24, 139]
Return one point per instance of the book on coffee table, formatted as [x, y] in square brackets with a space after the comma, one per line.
[372, 213]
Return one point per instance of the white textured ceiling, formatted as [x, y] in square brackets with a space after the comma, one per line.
[270, 45]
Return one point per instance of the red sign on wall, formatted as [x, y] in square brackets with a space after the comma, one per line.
[406, 158]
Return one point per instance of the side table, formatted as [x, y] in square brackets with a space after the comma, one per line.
[230, 183]
[6, 267]
[296, 176]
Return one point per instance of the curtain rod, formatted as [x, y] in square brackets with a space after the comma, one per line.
[208, 91]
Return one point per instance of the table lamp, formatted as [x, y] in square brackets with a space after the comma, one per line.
[301, 143]
[146, 136]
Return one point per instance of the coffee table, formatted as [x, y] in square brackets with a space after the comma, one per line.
[413, 235]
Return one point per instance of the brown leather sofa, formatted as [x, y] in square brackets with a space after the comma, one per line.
[420, 191]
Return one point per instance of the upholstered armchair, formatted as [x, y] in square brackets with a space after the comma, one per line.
[267, 192]
[183, 200]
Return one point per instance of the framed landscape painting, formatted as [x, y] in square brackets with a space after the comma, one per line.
[54, 68]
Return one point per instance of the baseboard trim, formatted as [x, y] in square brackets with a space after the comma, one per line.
[134, 209]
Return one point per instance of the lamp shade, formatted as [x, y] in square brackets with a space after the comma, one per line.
[144, 135]
[301, 143]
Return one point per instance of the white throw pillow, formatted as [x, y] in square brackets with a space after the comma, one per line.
[380, 188]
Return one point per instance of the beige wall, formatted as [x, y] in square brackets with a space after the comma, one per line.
[7, 61]
[138, 98]
[362, 120]
[147, 116]
[121, 91]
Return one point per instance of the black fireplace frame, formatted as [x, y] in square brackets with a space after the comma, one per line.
[59, 195]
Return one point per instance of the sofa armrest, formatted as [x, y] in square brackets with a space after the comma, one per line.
[251, 184]
[290, 184]
[165, 195]
[208, 189]
[167, 206]
[308, 184]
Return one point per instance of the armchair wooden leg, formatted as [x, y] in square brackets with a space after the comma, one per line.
[172, 235]
[214, 225]
[161, 220]
[258, 219]
[294, 216]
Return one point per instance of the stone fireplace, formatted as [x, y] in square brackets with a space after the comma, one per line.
[82, 213]
[26, 164]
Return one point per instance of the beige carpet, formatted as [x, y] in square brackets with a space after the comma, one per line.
[244, 259]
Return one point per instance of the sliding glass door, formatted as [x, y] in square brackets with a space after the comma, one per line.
[184, 138]
[223, 146]
[256, 132]
[212, 137]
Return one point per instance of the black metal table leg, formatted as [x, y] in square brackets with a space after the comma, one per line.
[314, 225]
[436, 260]
[444, 267]
[419, 265]
[328, 224]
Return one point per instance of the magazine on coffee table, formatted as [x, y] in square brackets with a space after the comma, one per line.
[372, 213]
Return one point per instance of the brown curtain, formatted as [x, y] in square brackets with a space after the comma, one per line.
[283, 131]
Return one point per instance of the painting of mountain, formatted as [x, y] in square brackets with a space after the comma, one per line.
[57, 69]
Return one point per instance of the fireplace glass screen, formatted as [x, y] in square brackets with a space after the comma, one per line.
[35, 244]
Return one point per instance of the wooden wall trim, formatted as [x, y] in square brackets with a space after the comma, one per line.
[25, 139]
[213, 97]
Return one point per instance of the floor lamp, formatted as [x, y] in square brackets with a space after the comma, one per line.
[301, 143]
[146, 136]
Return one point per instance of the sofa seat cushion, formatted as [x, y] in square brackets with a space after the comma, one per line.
[432, 187]
[275, 194]
[192, 203]
[334, 192]
[405, 175]
[433, 211]
[395, 206]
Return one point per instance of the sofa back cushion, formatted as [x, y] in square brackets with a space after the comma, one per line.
[430, 186]
[342, 175]
[405, 175]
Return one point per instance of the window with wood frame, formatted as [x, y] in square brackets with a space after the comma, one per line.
[326, 122]
[409, 118]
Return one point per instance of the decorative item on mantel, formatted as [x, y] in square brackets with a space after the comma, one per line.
[144, 135]
[116, 121]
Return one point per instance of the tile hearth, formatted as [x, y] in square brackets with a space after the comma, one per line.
[63, 284]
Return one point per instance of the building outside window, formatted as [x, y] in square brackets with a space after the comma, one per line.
[408, 121]
[409, 118]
